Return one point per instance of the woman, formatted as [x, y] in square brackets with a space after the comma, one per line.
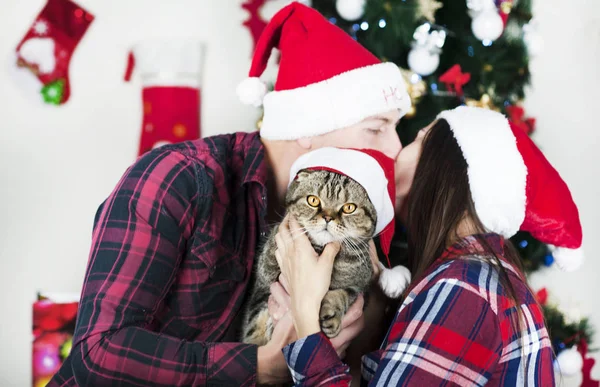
[469, 317]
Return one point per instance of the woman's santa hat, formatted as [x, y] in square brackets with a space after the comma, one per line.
[513, 186]
[374, 171]
[326, 80]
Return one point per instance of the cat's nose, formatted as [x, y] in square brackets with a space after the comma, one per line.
[327, 218]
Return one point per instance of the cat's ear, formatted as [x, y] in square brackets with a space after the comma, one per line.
[303, 175]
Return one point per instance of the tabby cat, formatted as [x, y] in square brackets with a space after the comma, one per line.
[330, 207]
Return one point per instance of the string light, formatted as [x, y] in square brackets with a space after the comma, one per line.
[487, 42]
[355, 27]
[364, 26]
[470, 51]
[382, 23]
[333, 20]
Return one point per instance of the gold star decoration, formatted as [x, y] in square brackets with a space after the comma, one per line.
[428, 8]
[485, 102]
[416, 88]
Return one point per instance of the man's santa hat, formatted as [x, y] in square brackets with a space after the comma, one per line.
[374, 171]
[513, 186]
[326, 80]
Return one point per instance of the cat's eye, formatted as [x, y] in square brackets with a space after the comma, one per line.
[313, 201]
[349, 208]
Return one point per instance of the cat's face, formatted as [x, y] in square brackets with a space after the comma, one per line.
[331, 207]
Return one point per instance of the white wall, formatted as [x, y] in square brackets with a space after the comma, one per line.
[58, 164]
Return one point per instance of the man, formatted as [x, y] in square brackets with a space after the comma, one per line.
[174, 244]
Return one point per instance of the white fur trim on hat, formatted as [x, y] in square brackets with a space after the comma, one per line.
[393, 281]
[335, 103]
[169, 62]
[496, 170]
[252, 91]
[567, 259]
[358, 166]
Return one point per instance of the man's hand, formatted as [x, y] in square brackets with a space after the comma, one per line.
[271, 367]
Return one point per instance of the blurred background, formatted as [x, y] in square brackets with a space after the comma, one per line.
[71, 124]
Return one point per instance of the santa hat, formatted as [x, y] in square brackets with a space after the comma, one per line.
[374, 171]
[326, 80]
[513, 186]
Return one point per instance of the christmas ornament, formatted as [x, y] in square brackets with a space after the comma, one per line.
[487, 24]
[542, 296]
[415, 85]
[455, 79]
[170, 72]
[53, 92]
[254, 23]
[65, 348]
[516, 115]
[484, 102]
[533, 39]
[506, 7]
[428, 8]
[588, 364]
[43, 56]
[424, 57]
[569, 362]
[350, 10]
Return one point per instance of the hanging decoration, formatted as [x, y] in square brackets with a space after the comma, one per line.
[506, 7]
[416, 88]
[254, 23]
[350, 10]
[455, 79]
[487, 24]
[43, 57]
[428, 8]
[424, 57]
[170, 72]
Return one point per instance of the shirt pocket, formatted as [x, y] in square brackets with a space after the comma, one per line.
[213, 276]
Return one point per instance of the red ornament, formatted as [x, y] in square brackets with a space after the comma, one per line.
[455, 79]
[516, 115]
[255, 23]
[588, 364]
[542, 296]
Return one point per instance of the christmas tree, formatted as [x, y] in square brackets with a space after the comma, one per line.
[462, 52]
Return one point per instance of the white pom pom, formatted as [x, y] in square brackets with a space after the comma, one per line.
[568, 259]
[569, 362]
[251, 91]
[393, 281]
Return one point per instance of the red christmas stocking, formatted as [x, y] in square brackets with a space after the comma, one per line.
[43, 56]
[170, 73]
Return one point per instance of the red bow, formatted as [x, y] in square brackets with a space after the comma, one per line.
[455, 79]
[588, 364]
[542, 296]
[516, 115]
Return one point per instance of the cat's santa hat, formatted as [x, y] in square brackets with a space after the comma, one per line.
[374, 171]
[513, 186]
[326, 80]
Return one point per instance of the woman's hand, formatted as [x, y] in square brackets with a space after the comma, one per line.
[308, 274]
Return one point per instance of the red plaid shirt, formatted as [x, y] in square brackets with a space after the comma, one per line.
[172, 252]
[454, 328]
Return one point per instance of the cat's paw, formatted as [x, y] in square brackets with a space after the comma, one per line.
[330, 319]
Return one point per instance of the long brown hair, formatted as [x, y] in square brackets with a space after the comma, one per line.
[439, 199]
